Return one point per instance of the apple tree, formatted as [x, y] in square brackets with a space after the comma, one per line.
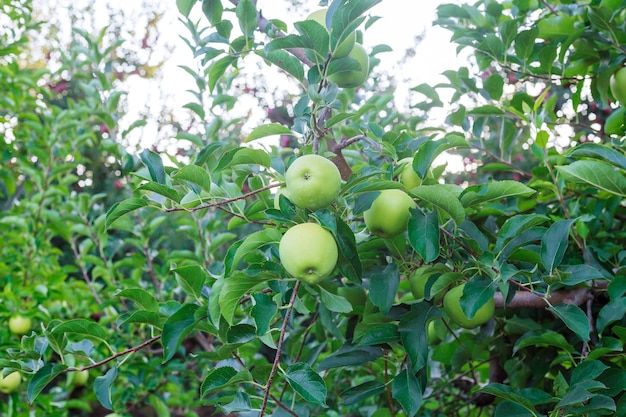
[344, 271]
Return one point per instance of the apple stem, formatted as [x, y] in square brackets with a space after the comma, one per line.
[279, 347]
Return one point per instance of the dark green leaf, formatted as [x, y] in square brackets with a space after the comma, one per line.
[141, 297]
[163, 190]
[554, 244]
[263, 312]
[184, 8]
[407, 390]
[124, 207]
[507, 393]
[611, 312]
[191, 278]
[83, 327]
[213, 9]
[217, 378]
[543, 338]
[356, 395]
[177, 326]
[102, 387]
[494, 191]
[349, 355]
[268, 130]
[306, 382]
[233, 289]
[384, 286]
[154, 163]
[442, 199]
[476, 292]
[595, 150]
[246, 15]
[597, 174]
[334, 302]
[413, 332]
[424, 234]
[42, 378]
[574, 318]
[195, 175]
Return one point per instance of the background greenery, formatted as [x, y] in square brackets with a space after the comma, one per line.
[159, 272]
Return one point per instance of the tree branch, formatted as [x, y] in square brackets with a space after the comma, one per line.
[225, 201]
[577, 296]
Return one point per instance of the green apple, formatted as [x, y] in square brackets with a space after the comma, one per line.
[407, 175]
[562, 25]
[389, 214]
[618, 85]
[81, 378]
[352, 78]
[19, 325]
[419, 278]
[9, 383]
[308, 252]
[452, 307]
[312, 182]
[344, 48]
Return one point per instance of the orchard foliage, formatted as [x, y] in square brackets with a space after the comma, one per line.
[161, 275]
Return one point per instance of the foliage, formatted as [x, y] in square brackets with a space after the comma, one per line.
[168, 288]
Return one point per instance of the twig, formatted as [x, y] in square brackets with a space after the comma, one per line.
[115, 356]
[279, 347]
[225, 201]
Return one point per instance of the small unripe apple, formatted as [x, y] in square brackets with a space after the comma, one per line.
[618, 85]
[9, 383]
[452, 307]
[389, 214]
[308, 252]
[312, 182]
[407, 175]
[81, 378]
[19, 325]
[281, 191]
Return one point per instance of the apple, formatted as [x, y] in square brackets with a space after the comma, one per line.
[312, 182]
[308, 252]
[9, 383]
[81, 378]
[407, 175]
[452, 307]
[355, 295]
[389, 214]
[354, 77]
[344, 48]
[19, 325]
[419, 278]
[618, 85]
[554, 26]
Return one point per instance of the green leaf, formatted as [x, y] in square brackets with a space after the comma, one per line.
[306, 382]
[525, 43]
[233, 289]
[424, 234]
[141, 297]
[102, 387]
[554, 244]
[494, 84]
[42, 378]
[246, 15]
[430, 149]
[177, 326]
[515, 225]
[380, 334]
[245, 156]
[384, 286]
[218, 68]
[439, 196]
[595, 150]
[356, 395]
[494, 191]
[240, 334]
[349, 355]
[407, 390]
[476, 292]
[507, 393]
[161, 189]
[213, 9]
[579, 393]
[286, 62]
[595, 173]
[589, 369]
[154, 163]
[268, 130]
[122, 208]
[141, 316]
[217, 378]
[334, 302]
[191, 278]
[263, 312]
[511, 409]
[252, 242]
[613, 311]
[195, 175]
[184, 8]
[543, 337]
[413, 330]
[574, 318]
[83, 327]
